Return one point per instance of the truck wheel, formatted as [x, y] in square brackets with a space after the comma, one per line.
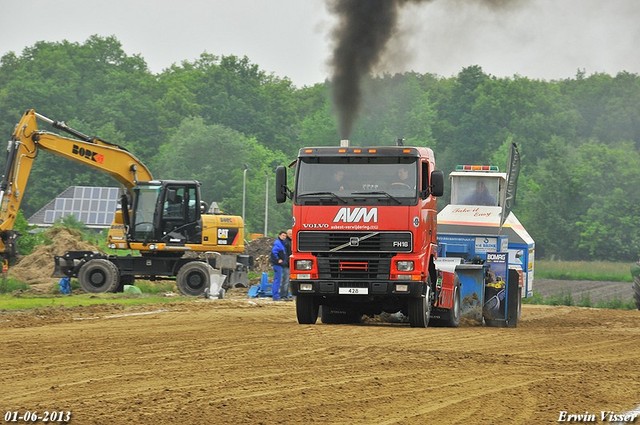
[420, 311]
[513, 321]
[636, 291]
[193, 278]
[98, 276]
[306, 310]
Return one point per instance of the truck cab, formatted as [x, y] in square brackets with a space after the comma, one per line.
[364, 233]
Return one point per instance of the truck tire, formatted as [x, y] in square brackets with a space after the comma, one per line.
[306, 310]
[420, 310]
[330, 315]
[636, 291]
[193, 278]
[513, 319]
[98, 276]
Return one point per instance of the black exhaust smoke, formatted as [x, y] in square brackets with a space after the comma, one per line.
[363, 30]
[362, 33]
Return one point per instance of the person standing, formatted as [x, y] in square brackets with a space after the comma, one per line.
[278, 256]
[284, 288]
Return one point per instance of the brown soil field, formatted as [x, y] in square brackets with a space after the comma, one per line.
[247, 361]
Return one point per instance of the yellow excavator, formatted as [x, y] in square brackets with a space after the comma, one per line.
[163, 223]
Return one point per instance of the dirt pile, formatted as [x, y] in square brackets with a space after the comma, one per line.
[259, 249]
[37, 267]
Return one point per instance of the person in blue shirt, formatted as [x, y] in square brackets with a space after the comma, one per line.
[278, 257]
[286, 273]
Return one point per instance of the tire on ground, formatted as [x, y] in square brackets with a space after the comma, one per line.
[193, 278]
[513, 322]
[306, 310]
[420, 311]
[636, 291]
[98, 276]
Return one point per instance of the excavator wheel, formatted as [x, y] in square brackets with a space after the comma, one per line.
[193, 278]
[98, 276]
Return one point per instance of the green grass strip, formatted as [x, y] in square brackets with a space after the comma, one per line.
[584, 270]
[26, 302]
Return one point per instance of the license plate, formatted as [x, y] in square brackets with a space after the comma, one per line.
[353, 291]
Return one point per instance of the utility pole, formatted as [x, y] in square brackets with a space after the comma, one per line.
[244, 190]
[266, 204]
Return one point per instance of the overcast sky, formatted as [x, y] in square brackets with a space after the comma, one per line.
[546, 39]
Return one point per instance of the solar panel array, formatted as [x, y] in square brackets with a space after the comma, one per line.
[94, 206]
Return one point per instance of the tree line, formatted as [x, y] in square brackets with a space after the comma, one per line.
[206, 119]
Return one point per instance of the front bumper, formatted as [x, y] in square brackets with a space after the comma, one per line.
[390, 288]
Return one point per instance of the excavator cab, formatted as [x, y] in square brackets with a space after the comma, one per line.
[166, 211]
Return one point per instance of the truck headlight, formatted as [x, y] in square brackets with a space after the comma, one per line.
[303, 264]
[405, 266]
[306, 287]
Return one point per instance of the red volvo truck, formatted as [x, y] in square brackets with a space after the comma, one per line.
[364, 235]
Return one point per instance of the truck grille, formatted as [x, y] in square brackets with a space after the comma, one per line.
[372, 268]
[355, 242]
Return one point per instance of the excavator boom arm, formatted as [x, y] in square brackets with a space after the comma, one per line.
[23, 148]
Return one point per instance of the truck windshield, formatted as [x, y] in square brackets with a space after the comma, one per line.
[145, 208]
[369, 180]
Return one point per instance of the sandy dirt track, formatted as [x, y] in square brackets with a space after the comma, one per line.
[240, 361]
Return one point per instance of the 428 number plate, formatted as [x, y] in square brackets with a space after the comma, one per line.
[353, 291]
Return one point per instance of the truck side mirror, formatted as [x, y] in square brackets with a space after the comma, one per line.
[437, 183]
[281, 184]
